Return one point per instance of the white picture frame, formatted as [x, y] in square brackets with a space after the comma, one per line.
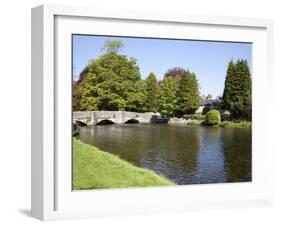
[52, 197]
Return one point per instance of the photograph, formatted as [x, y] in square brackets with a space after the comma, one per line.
[150, 112]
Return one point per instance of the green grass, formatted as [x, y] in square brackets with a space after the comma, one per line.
[196, 116]
[194, 122]
[224, 124]
[93, 168]
[231, 124]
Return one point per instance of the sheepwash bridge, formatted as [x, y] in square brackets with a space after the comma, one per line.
[91, 118]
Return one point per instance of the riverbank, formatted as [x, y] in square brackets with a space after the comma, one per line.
[231, 124]
[93, 168]
[223, 124]
[200, 120]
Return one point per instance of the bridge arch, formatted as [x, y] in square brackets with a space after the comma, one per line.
[133, 120]
[105, 122]
[80, 123]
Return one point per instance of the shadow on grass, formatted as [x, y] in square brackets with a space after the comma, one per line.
[25, 212]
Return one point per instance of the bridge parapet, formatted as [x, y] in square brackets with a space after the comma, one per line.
[117, 117]
[83, 116]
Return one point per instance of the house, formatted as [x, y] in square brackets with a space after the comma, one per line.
[208, 104]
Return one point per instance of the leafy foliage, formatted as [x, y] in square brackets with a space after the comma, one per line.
[113, 82]
[167, 99]
[151, 93]
[195, 117]
[231, 124]
[237, 90]
[112, 46]
[174, 72]
[209, 96]
[188, 94]
[213, 118]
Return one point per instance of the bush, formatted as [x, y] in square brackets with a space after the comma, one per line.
[199, 117]
[194, 122]
[213, 118]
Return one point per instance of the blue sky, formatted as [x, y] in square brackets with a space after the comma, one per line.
[208, 60]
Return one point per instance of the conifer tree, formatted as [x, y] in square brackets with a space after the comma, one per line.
[167, 98]
[228, 86]
[188, 94]
[151, 92]
[237, 90]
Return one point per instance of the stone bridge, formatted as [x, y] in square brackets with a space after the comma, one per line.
[91, 118]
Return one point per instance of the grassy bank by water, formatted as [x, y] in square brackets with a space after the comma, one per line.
[93, 168]
[230, 124]
[223, 124]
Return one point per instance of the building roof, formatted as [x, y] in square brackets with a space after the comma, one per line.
[209, 102]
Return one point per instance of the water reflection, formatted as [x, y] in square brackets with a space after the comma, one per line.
[186, 155]
[238, 155]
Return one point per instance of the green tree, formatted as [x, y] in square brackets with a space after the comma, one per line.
[209, 96]
[111, 82]
[167, 99]
[112, 46]
[135, 96]
[228, 87]
[237, 90]
[151, 93]
[188, 94]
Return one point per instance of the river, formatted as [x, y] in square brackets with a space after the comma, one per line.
[185, 155]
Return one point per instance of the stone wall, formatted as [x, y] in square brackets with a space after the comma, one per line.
[117, 117]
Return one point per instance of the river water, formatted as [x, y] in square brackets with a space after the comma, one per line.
[185, 155]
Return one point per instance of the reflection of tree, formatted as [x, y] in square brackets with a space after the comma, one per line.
[238, 155]
[179, 148]
[187, 152]
[169, 150]
[210, 164]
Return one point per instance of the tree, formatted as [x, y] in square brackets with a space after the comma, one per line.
[209, 96]
[135, 96]
[111, 82]
[188, 94]
[228, 87]
[112, 46]
[237, 90]
[174, 72]
[151, 93]
[167, 98]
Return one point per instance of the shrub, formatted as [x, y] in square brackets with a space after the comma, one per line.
[187, 116]
[194, 122]
[195, 117]
[213, 118]
[198, 117]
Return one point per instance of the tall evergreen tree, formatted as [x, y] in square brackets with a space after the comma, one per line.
[188, 94]
[237, 90]
[228, 87]
[151, 93]
[167, 98]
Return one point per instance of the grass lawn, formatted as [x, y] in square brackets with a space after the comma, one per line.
[93, 168]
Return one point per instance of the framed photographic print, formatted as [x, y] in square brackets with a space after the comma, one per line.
[137, 112]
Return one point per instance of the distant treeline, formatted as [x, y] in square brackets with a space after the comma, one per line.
[113, 82]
